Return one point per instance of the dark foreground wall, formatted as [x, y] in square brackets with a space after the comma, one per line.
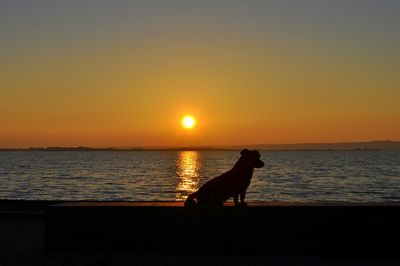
[262, 229]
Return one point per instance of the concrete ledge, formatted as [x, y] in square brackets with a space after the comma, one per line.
[338, 230]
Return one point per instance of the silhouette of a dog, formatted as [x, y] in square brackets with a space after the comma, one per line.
[233, 183]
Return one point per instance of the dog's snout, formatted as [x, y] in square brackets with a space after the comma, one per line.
[260, 164]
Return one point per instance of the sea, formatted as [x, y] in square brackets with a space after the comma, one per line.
[288, 176]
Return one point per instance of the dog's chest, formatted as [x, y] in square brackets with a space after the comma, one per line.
[244, 179]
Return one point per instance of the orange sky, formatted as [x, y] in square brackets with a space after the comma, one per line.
[249, 77]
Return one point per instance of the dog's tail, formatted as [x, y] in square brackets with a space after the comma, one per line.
[190, 200]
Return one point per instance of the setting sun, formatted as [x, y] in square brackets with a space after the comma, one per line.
[188, 122]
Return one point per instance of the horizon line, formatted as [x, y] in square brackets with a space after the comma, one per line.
[166, 147]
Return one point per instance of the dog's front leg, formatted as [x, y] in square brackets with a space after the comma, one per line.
[242, 196]
[236, 199]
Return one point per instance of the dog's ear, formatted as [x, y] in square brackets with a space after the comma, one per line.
[245, 151]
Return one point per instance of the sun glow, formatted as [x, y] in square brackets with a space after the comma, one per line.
[188, 122]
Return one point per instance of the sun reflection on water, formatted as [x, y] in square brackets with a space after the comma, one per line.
[188, 168]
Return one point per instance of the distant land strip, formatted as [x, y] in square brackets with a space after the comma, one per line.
[382, 145]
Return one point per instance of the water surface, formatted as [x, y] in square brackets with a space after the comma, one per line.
[350, 176]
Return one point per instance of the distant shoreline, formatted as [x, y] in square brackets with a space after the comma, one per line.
[148, 150]
[344, 146]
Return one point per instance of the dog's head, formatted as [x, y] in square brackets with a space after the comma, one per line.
[252, 158]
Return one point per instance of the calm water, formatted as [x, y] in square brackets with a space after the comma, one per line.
[354, 176]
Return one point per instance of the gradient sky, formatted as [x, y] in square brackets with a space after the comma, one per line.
[123, 73]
